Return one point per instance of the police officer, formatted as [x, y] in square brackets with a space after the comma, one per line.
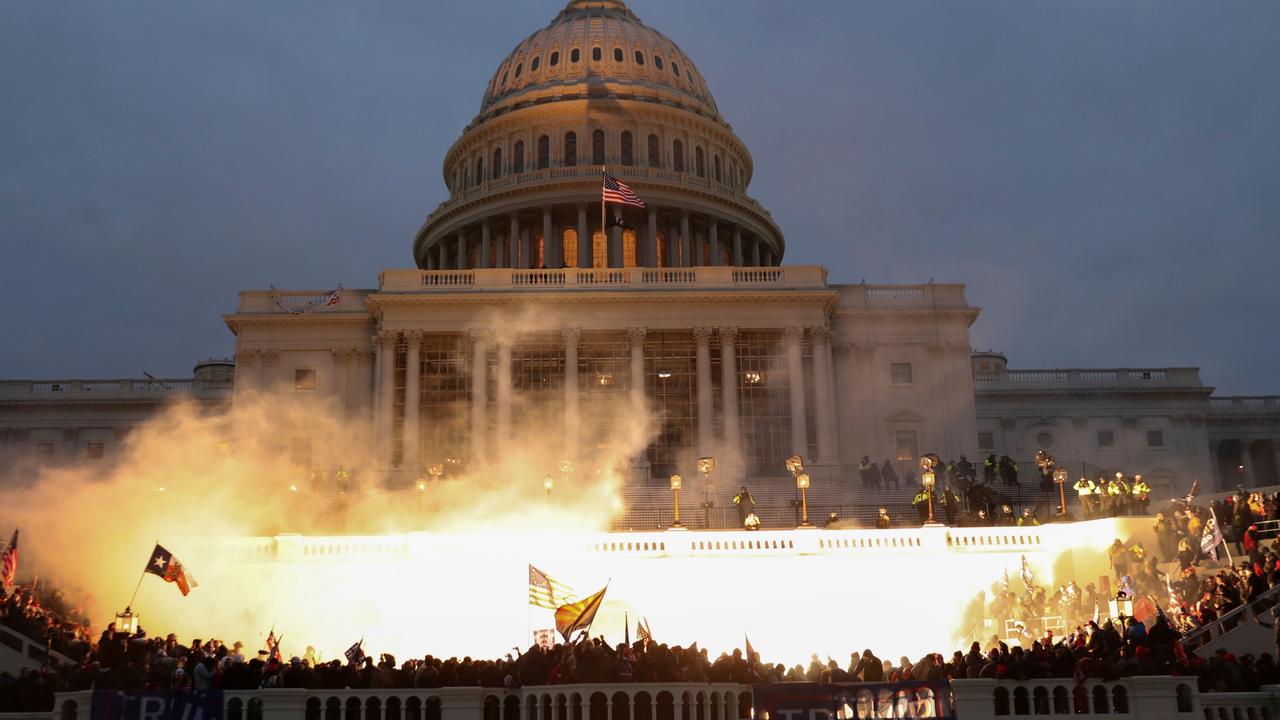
[1084, 490]
[1027, 519]
[1118, 489]
[883, 521]
[1141, 492]
[921, 503]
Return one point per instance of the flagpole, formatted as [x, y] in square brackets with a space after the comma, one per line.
[1217, 526]
[604, 233]
[140, 579]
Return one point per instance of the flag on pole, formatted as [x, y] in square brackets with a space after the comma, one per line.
[752, 655]
[1212, 537]
[1195, 490]
[616, 191]
[1028, 579]
[546, 592]
[9, 564]
[642, 631]
[166, 567]
[355, 653]
[578, 615]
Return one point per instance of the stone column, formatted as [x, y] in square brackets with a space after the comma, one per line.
[635, 336]
[412, 402]
[824, 395]
[247, 375]
[551, 249]
[737, 247]
[795, 387]
[526, 249]
[755, 253]
[486, 245]
[269, 373]
[479, 394]
[614, 249]
[342, 357]
[706, 408]
[513, 238]
[729, 390]
[685, 240]
[572, 423]
[386, 392]
[584, 237]
[651, 239]
[431, 260]
[462, 250]
[502, 392]
[714, 233]
[673, 246]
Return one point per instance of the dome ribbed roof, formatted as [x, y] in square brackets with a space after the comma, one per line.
[583, 44]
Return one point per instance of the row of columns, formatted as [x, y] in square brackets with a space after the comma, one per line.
[517, 247]
[823, 381]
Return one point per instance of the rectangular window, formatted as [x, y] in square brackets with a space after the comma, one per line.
[1155, 438]
[1106, 439]
[94, 451]
[304, 379]
[900, 373]
[44, 452]
[986, 441]
[906, 442]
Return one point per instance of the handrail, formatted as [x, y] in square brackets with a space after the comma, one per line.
[30, 649]
[1206, 634]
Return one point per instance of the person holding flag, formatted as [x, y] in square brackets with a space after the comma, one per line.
[1212, 538]
[9, 561]
[579, 615]
[355, 653]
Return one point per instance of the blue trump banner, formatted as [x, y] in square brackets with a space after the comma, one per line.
[853, 701]
[154, 705]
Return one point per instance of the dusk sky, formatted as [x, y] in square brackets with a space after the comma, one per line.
[1104, 175]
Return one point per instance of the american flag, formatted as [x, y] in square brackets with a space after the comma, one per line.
[616, 191]
[546, 592]
[10, 560]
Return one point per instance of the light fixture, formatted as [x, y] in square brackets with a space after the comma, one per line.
[127, 621]
[604, 379]
[676, 483]
[752, 377]
[1060, 477]
[928, 478]
[664, 374]
[548, 483]
[293, 487]
[795, 464]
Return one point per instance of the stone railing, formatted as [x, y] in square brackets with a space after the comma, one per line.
[1084, 378]
[809, 277]
[301, 301]
[1137, 698]
[1244, 615]
[1245, 405]
[19, 651]
[111, 389]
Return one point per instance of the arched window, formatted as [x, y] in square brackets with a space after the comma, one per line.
[599, 250]
[497, 163]
[555, 59]
[504, 78]
[574, 55]
[699, 162]
[597, 147]
[544, 152]
[479, 170]
[519, 67]
[639, 58]
[662, 250]
[570, 149]
[538, 246]
[677, 156]
[628, 154]
[595, 54]
[570, 240]
[657, 61]
[654, 159]
[628, 248]
[517, 160]
[715, 167]
[617, 54]
[675, 69]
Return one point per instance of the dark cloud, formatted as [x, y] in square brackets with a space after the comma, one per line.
[1102, 174]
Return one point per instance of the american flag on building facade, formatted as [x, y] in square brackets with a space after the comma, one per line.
[616, 191]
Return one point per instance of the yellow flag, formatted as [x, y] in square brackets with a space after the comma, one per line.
[576, 616]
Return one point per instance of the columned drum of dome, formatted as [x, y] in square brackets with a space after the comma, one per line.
[597, 87]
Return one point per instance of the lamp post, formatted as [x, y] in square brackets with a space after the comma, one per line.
[1060, 477]
[422, 490]
[928, 478]
[802, 482]
[676, 483]
[706, 466]
[547, 484]
[795, 466]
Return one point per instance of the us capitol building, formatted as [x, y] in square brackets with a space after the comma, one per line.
[523, 312]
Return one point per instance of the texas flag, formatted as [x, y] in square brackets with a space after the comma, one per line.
[165, 566]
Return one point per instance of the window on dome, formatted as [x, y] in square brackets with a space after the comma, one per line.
[639, 58]
[715, 167]
[628, 153]
[595, 54]
[570, 149]
[519, 67]
[677, 156]
[479, 170]
[597, 147]
[675, 69]
[534, 65]
[574, 55]
[497, 163]
[517, 158]
[504, 78]
[699, 162]
[544, 152]
[657, 61]
[617, 54]
[555, 59]
[687, 74]
[654, 160]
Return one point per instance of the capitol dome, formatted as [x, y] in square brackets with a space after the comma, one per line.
[597, 88]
